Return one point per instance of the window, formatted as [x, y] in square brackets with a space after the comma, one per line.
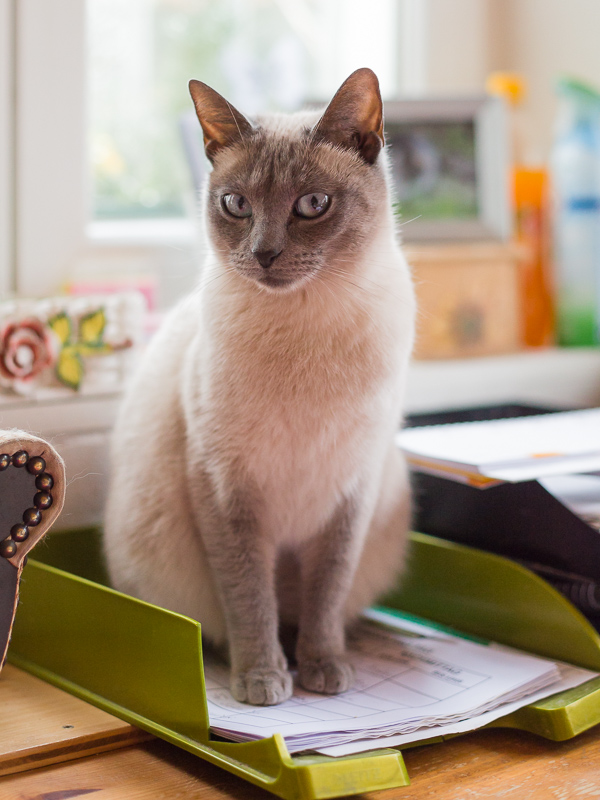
[101, 185]
[260, 54]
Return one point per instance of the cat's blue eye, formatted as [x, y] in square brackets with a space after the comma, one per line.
[236, 205]
[312, 205]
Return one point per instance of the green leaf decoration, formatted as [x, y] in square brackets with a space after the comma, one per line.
[61, 325]
[91, 328]
[69, 367]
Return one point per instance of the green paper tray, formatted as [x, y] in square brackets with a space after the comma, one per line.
[144, 664]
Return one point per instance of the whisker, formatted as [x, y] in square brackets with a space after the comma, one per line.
[373, 262]
[406, 222]
[204, 283]
[385, 289]
[364, 310]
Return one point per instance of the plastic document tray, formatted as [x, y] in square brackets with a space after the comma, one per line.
[144, 664]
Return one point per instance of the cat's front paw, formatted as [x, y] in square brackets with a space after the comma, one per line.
[326, 675]
[262, 686]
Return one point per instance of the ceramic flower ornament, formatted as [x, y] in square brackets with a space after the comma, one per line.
[27, 348]
[67, 343]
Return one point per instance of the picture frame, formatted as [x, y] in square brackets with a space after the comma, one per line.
[449, 163]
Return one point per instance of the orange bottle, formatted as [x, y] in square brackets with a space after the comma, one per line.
[531, 214]
[531, 223]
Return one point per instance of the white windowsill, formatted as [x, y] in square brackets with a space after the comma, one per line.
[559, 377]
[556, 377]
[142, 232]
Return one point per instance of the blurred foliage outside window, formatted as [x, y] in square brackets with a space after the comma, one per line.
[433, 168]
[260, 54]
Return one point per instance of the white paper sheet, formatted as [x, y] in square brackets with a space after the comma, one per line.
[517, 449]
[570, 677]
[404, 682]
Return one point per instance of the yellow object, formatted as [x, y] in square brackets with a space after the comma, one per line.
[144, 664]
[510, 85]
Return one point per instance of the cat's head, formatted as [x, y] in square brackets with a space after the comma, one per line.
[292, 195]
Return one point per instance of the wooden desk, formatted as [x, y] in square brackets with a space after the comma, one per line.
[511, 765]
[488, 764]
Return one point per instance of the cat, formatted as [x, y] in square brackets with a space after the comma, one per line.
[255, 481]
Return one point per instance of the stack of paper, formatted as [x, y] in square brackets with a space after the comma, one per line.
[411, 683]
[518, 449]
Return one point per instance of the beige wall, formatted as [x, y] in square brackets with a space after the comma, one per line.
[548, 38]
[466, 39]
[456, 57]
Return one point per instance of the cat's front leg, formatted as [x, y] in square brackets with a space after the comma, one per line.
[328, 563]
[243, 562]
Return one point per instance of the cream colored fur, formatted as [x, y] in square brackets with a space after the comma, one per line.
[293, 398]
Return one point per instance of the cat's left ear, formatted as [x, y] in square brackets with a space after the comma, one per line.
[354, 118]
[222, 124]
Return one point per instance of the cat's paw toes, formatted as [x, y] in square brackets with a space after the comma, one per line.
[326, 675]
[262, 686]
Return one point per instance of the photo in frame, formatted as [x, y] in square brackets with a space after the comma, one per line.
[449, 161]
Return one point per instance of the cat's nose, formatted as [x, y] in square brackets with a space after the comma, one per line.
[265, 257]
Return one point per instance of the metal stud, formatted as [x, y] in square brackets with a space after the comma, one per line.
[32, 517]
[19, 532]
[20, 458]
[36, 465]
[42, 500]
[44, 482]
[5, 461]
[8, 548]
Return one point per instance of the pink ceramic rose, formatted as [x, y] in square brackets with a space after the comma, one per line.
[26, 349]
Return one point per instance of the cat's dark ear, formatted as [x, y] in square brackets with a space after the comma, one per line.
[222, 124]
[354, 118]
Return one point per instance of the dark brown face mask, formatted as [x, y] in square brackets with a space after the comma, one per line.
[32, 489]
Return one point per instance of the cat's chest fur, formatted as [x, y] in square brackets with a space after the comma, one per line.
[298, 395]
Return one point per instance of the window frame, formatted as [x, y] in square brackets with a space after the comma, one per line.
[45, 205]
[7, 276]
[50, 186]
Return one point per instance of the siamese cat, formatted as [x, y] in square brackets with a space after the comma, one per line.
[255, 481]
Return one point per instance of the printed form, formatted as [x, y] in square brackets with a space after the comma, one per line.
[407, 683]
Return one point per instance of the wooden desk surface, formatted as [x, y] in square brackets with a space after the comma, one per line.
[506, 764]
[487, 764]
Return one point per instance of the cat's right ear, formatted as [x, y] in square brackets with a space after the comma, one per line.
[222, 124]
